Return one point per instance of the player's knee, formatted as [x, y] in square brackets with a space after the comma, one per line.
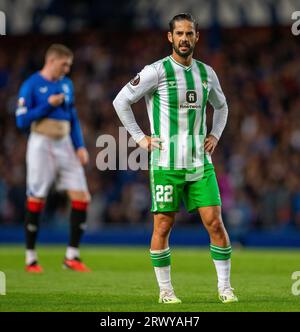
[163, 227]
[35, 199]
[86, 197]
[216, 226]
[163, 230]
[83, 196]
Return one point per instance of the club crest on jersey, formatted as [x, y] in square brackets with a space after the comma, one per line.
[136, 80]
[191, 96]
[205, 85]
[65, 88]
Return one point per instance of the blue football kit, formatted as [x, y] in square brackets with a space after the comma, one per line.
[33, 104]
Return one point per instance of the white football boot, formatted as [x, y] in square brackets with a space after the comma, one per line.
[226, 295]
[167, 296]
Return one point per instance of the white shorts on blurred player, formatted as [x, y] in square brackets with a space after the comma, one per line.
[52, 161]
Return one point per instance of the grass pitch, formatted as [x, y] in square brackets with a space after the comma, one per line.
[123, 280]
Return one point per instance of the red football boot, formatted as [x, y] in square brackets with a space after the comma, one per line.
[75, 265]
[34, 267]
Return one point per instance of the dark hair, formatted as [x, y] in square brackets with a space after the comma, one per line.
[182, 17]
[59, 50]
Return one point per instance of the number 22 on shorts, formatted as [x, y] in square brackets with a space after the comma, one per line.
[164, 193]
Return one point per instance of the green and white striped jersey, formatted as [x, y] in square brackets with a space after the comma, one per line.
[176, 98]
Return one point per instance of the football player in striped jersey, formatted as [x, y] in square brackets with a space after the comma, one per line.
[176, 90]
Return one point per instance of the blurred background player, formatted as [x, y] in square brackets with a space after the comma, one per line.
[55, 151]
[176, 90]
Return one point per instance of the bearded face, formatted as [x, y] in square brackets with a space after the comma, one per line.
[184, 49]
[183, 38]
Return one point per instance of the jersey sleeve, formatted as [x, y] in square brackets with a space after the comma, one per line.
[217, 99]
[142, 84]
[76, 132]
[26, 111]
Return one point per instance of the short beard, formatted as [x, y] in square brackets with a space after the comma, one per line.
[183, 55]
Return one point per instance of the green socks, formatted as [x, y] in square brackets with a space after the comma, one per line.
[161, 258]
[219, 253]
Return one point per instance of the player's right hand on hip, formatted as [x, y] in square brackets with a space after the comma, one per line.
[150, 143]
[56, 100]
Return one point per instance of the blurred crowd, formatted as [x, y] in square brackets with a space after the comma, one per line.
[257, 160]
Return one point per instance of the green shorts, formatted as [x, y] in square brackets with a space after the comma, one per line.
[198, 187]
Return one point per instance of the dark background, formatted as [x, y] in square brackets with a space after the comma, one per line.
[251, 47]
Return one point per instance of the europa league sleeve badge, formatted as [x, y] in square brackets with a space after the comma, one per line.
[136, 80]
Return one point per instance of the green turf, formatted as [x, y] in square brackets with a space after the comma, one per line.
[123, 280]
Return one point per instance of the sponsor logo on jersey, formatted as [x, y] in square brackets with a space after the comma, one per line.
[136, 80]
[191, 106]
[43, 89]
[172, 84]
[191, 96]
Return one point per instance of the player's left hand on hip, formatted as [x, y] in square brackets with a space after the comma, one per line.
[210, 143]
[150, 143]
[83, 155]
